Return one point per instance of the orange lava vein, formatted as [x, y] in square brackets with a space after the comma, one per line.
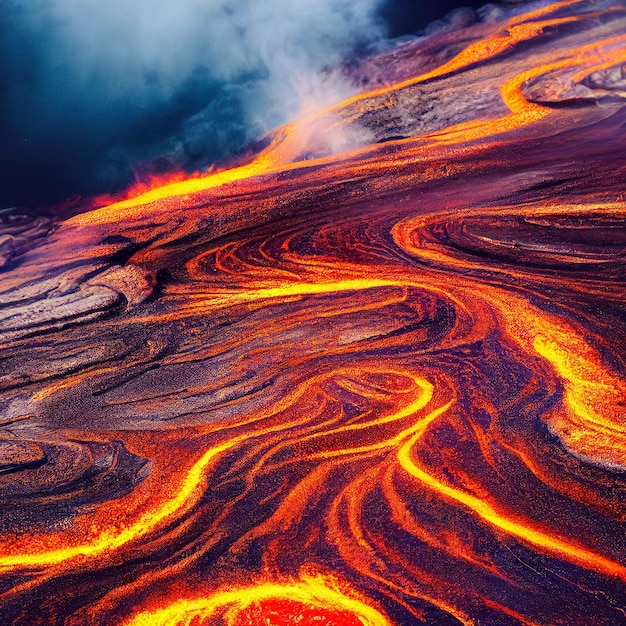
[188, 493]
[526, 313]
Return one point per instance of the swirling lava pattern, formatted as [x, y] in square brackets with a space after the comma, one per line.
[375, 376]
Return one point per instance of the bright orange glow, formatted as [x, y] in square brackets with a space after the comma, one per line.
[317, 595]
[556, 346]
[595, 424]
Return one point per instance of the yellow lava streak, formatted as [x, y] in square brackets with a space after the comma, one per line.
[485, 511]
[192, 486]
[593, 422]
[262, 164]
[594, 400]
[316, 591]
[571, 368]
[574, 553]
[188, 493]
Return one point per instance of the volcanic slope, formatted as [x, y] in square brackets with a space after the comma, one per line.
[373, 376]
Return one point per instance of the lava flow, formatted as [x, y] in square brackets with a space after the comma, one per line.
[375, 376]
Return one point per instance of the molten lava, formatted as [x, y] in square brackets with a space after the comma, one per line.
[374, 376]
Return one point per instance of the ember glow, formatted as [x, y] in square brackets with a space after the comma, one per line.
[374, 376]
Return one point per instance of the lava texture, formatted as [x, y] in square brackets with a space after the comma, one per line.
[374, 376]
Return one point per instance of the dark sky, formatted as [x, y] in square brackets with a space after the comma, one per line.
[404, 17]
[94, 94]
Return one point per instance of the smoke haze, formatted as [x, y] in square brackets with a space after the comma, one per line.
[92, 91]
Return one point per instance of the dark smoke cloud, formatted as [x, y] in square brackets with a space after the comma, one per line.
[93, 88]
[96, 92]
[404, 17]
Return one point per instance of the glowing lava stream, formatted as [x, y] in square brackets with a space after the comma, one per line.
[188, 493]
[485, 511]
[280, 154]
[191, 490]
[551, 331]
[317, 592]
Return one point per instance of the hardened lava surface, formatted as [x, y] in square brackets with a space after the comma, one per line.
[374, 376]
